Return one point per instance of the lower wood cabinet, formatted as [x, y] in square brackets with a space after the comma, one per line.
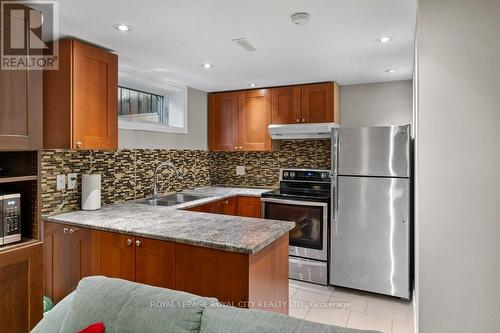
[139, 259]
[249, 207]
[70, 254]
[21, 288]
[237, 206]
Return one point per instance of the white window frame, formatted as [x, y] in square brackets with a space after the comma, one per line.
[135, 80]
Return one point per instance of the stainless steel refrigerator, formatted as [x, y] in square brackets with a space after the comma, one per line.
[370, 230]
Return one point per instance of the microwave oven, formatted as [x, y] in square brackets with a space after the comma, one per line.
[10, 218]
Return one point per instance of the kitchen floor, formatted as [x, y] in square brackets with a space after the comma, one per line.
[348, 308]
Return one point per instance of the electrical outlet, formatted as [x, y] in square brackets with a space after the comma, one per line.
[240, 170]
[72, 178]
[60, 182]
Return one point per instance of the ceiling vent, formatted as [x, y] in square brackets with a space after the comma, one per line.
[244, 43]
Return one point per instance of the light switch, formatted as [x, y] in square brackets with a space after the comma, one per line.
[60, 182]
[72, 178]
[240, 170]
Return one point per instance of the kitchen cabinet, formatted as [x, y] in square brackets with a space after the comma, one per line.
[249, 207]
[238, 121]
[285, 105]
[309, 103]
[21, 288]
[318, 103]
[222, 121]
[138, 259]
[70, 254]
[254, 117]
[80, 98]
[20, 107]
[224, 207]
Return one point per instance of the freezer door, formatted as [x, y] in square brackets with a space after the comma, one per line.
[370, 235]
[374, 151]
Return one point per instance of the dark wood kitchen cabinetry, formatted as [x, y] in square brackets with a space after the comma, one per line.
[80, 98]
[225, 207]
[138, 259]
[20, 107]
[249, 207]
[223, 121]
[21, 288]
[309, 103]
[238, 121]
[70, 254]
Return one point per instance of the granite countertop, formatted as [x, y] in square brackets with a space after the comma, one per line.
[224, 232]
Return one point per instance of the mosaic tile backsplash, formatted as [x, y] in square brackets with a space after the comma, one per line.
[128, 173]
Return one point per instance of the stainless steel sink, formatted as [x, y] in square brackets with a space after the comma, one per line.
[172, 199]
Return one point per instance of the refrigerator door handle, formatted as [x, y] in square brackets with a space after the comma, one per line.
[334, 177]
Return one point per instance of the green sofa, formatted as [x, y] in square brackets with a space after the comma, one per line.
[125, 306]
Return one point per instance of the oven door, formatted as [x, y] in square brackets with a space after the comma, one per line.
[309, 238]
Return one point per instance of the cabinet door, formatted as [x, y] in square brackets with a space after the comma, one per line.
[85, 251]
[95, 94]
[254, 117]
[285, 105]
[317, 103]
[56, 257]
[223, 121]
[155, 262]
[249, 207]
[230, 206]
[117, 256]
[21, 288]
[20, 105]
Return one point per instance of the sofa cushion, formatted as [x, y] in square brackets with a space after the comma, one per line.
[52, 320]
[222, 319]
[125, 306]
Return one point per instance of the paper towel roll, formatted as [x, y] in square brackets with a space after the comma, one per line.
[91, 192]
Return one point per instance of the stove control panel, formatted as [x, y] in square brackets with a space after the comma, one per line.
[305, 175]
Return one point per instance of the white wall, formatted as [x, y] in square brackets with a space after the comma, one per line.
[376, 104]
[458, 166]
[196, 138]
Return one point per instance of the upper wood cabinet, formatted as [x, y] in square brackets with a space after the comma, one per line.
[80, 99]
[20, 106]
[254, 116]
[223, 121]
[286, 105]
[309, 103]
[239, 120]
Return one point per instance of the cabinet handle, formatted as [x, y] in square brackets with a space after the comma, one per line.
[303, 120]
[78, 144]
[72, 231]
[298, 120]
[65, 230]
[235, 147]
[240, 147]
[138, 243]
[226, 202]
[129, 242]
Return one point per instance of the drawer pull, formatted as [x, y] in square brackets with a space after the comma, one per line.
[129, 242]
[138, 243]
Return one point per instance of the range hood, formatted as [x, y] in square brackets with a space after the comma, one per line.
[302, 131]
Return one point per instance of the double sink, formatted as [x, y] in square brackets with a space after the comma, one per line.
[172, 199]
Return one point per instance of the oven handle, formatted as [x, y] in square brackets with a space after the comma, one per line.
[295, 202]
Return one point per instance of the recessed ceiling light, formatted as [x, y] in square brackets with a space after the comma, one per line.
[252, 85]
[391, 70]
[383, 40]
[207, 65]
[122, 27]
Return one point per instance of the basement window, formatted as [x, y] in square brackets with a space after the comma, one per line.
[148, 104]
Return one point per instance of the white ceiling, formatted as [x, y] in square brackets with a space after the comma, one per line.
[171, 39]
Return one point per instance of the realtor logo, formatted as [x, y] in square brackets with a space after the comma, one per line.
[29, 35]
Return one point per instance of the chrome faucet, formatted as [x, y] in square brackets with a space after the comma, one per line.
[158, 168]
